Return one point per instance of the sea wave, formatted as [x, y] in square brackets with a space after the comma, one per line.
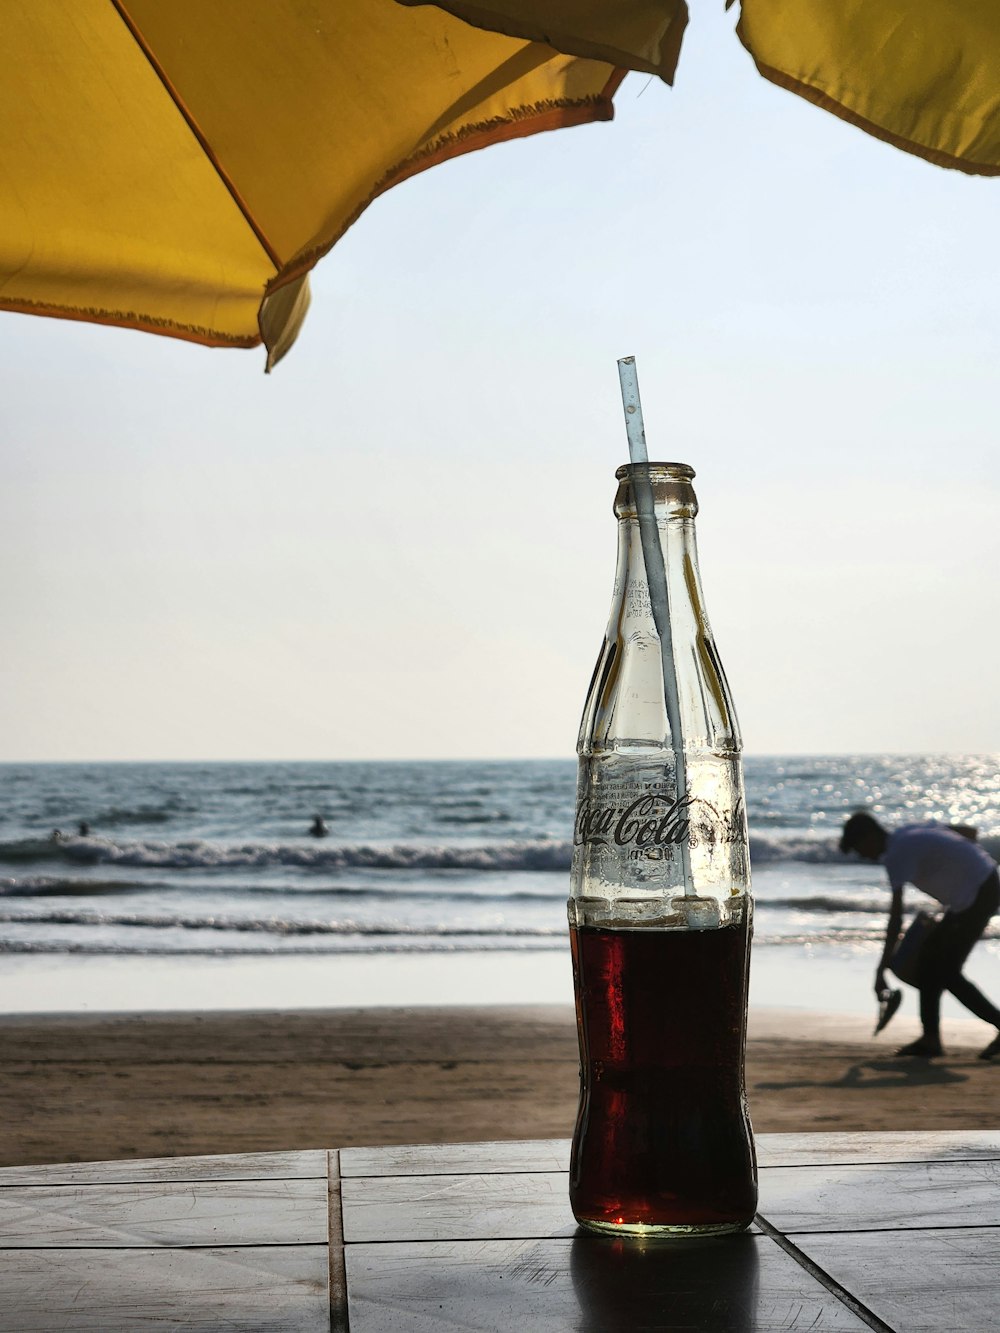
[40, 886]
[523, 854]
[461, 942]
[540, 854]
[57, 886]
[768, 849]
[824, 904]
[389, 942]
[273, 925]
[146, 814]
[842, 908]
[516, 854]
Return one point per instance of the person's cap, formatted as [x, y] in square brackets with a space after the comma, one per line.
[856, 830]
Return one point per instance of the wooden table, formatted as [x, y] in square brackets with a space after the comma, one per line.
[884, 1231]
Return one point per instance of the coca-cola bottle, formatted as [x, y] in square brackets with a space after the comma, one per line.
[660, 909]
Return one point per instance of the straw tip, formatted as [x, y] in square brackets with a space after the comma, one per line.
[626, 360]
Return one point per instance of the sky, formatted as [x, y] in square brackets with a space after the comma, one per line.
[400, 544]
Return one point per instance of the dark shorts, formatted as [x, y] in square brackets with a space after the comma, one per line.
[952, 940]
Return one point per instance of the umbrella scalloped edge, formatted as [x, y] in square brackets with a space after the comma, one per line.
[130, 319]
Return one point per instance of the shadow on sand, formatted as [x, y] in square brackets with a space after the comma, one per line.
[884, 1073]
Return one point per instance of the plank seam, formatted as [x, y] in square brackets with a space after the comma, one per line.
[921, 1228]
[340, 1317]
[471, 1175]
[235, 1246]
[992, 1156]
[172, 1180]
[821, 1276]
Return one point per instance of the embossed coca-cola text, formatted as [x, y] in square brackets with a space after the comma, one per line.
[655, 820]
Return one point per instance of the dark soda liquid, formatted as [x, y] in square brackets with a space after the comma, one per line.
[663, 1138]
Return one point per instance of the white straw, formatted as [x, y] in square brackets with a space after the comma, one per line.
[628, 377]
[656, 581]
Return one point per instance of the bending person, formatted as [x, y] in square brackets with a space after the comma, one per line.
[955, 870]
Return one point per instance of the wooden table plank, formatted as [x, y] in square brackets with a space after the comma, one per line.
[480, 1236]
[446, 1159]
[739, 1284]
[947, 1281]
[253, 1290]
[473, 1207]
[885, 1197]
[911, 1146]
[235, 1212]
[230, 1166]
[527, 1205]
[772, 1150]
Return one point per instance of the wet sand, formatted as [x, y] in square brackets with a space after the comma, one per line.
[93, 1087]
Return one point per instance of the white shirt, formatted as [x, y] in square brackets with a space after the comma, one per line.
[938, 862]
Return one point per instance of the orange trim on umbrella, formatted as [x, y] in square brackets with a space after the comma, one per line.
[130, 320]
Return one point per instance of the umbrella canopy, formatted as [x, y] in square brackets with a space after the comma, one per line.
[180, 168]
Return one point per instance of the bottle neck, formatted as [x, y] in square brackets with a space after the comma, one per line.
[703, 714]
[677, 544]
[657, 582]
[656, 507]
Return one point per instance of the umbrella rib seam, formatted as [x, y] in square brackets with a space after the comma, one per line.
[192, 125]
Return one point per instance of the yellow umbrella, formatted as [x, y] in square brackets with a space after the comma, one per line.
[180, 167]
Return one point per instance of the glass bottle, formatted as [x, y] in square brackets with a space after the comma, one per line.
[660, 910]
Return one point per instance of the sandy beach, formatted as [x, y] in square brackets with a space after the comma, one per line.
[98, 1087]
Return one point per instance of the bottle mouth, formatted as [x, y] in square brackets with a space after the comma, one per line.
[670, 483]
[666, 471]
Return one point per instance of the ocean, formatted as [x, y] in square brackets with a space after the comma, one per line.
[216, 861]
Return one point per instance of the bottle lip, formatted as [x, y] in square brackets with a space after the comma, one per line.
[676, 470]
